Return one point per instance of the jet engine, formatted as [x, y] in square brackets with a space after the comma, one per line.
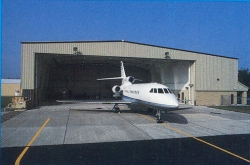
[116, 88]
[117, 91]
[130, 79]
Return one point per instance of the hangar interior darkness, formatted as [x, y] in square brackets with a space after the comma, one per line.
[62, 76]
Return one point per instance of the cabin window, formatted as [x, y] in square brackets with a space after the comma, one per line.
[160, 90]
[151, 91]
[165, 90]
[155, 90]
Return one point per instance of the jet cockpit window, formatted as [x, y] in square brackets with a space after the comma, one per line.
[160, 90]
[165, 90]
[170, 90]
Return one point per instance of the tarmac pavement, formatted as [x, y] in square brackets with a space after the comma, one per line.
[95, 123]
[93, 134]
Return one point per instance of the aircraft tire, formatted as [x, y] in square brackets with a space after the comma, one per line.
[117, 109]
[160, 121]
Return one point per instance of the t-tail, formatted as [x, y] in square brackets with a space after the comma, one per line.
[123, 74]
[125, 82]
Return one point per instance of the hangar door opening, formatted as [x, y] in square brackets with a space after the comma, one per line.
[178, 75]
[75, 76]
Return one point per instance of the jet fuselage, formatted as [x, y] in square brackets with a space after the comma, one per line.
[152, 95]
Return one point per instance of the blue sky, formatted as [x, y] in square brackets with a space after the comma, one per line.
[220, 28]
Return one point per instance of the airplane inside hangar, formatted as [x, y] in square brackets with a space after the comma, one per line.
[75, 76]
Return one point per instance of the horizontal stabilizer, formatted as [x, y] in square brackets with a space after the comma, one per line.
[113, 78]
[138, 80]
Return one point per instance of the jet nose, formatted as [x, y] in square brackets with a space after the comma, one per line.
[174, 102]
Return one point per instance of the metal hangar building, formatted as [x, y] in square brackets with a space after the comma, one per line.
[68, 70]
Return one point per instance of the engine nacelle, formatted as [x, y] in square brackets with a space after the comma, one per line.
[116, 89]
[131, 79]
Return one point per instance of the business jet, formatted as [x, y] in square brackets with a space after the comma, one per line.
[152, 95]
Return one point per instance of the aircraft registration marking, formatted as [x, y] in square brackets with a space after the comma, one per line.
[198, 139]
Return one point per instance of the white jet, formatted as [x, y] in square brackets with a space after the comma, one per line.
[152, 95]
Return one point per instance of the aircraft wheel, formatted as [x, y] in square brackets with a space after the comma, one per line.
[160, 121]
[117, 109]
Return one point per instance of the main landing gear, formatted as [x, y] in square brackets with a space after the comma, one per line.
[116, 109]
[159, 119]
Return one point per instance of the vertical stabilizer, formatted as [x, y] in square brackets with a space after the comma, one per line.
[123, 74]
[125, 80]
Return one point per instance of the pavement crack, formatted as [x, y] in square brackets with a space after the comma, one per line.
[221, 133]
[136, 127]
[66, 127]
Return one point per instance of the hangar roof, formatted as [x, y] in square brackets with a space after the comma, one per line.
[241, 87]
[45, 42]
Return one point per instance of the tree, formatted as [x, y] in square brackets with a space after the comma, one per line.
[244, 78]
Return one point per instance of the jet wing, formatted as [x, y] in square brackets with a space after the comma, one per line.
[94, 101]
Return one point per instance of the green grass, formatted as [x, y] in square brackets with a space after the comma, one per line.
[243, 109]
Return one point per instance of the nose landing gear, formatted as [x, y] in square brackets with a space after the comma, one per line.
[159, 119]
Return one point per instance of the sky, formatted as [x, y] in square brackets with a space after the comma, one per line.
[220, 28]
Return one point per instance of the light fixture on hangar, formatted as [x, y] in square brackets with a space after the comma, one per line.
[75, 50]
[167, 55]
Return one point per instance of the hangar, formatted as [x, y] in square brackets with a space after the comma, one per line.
[68, 70]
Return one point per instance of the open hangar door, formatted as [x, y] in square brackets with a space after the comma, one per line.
[75, 76]
[178, 75]
[62, 76]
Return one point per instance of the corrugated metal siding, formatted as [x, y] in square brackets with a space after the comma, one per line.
[207, 67]
[27, 75]
[216, 73]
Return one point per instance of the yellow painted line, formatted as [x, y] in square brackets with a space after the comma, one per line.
[198, 139]
[30, 143]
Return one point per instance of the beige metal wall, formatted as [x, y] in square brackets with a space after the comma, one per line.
[211, 72]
